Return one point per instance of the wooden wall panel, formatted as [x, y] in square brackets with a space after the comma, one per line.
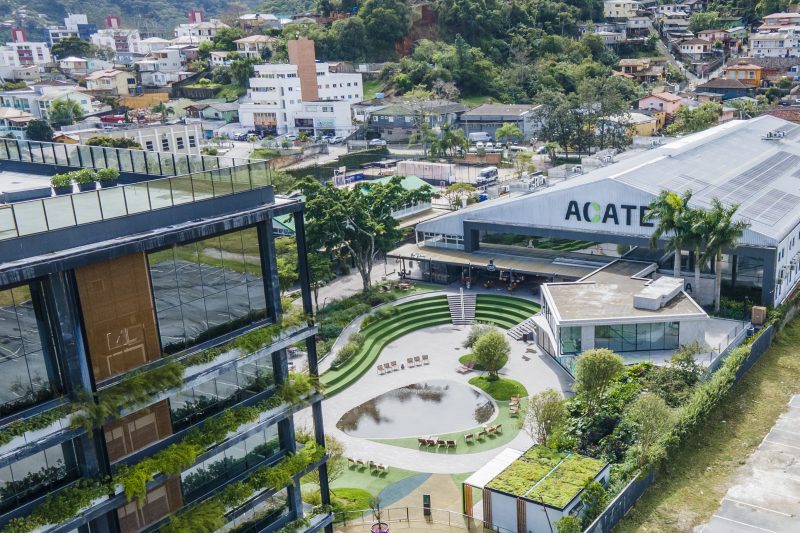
[160, 502]
[137, 430]
[118, 313]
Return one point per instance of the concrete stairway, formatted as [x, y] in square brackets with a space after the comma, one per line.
[526, 326]
[468, 316]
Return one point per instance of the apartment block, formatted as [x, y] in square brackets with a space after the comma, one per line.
[144, 347]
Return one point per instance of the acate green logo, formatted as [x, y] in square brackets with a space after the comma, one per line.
[596, 213]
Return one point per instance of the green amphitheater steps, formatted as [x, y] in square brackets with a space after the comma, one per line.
[410, 316]
[503, 311]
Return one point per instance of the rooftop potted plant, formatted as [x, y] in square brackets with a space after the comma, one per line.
[107, 177]
[85, 178]
[62, 183]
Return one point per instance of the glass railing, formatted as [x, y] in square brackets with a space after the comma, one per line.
[123, 159]
[57, 212]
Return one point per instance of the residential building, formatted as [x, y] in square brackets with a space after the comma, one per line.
[694, 6]
[397, 122]
[726, 88]
[362, 110]
[611, 38]
[620, 9]
[227, 111]
[782, 43]
[111, 81]
[637, 27]
[674, 25]
[323, 117]
[162, 67]
[644, 69]
[129, 303]
[255, 21]
[36, 99]
[255, 46]
[75, 25]
[713, 35]
[520, 492]
[747, 73]
[278, 91]
[172, 138]
[219, 59]
[488, 117]
[123, 41]
[782, 19]
[775, 68]
[153, 44]
[24, 54]
[694, 47]
[81, 66]
[633, 123]
[667, 102]
[669, 9]
[13, 122]
[198, 32]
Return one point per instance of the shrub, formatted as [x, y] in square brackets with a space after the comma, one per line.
[569, 524]
[61, 180]
[83, 176]
[475, 333]
[107, 174]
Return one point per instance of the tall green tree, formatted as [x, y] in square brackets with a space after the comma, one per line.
[692, 120]
[563, 122]
[722, 234]
[595, 371]
[546, 412]
[385, 21]
[71, 46]
[594, 498]
[674, 222]
[242, 70]
[491, 352]
[650, 415]
[223, 40]
[38, 130]
[64, 112]
[604, 97]
[358, 219]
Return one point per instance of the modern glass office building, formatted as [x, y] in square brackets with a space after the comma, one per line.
[144, 381]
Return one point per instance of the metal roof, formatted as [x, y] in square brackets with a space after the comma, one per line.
[735, 162]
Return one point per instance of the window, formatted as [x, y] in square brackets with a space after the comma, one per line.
[37, 474]
[28, 373]
[570, 340]
[148, 145]
[192, 141]
[179, 142]
[165, 145]
[208, 475]
[206, 288]
[637, 337]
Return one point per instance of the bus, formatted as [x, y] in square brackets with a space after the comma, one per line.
[486, 176]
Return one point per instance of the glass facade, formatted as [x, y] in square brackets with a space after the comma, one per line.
[638, 337]
[28, 374]
[207, 288]
[37, 474]
[570, 338]
[262, 515]
[206, 476]
[192, 405]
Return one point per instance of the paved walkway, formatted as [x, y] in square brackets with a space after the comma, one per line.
[443, 343]
[766, 497]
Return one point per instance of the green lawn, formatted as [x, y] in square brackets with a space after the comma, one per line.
[371, 482]
[371, 87]
[510, 430]
[469, 358]
[348, 499]
[264, 153]
[698, 477]
[501, 389]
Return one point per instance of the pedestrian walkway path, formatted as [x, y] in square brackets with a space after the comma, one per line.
[766, 497]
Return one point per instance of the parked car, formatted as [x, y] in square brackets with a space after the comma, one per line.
[291, 137]
[377, 142]
[336, 140]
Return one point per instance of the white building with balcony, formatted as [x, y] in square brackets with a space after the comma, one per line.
[121, 40]
[199, 32]
[36, 99]
[782, 43]
[275, 97]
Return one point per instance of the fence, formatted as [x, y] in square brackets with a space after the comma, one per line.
[733, 339]
[626, 499]
[414, 515]
[620, 505]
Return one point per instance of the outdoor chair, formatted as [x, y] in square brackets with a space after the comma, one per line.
[394, 365]
[451, 444]
[417, 360]
[422, 442]
[383, 467]
[440, 443]
[410, 362]
[425, 359]
[469, 437]
[481, 434]
[498, 428]
[380, 370]
[373, 464]
[361, 463]
[490, 430]
[431, 442]
[351, 462]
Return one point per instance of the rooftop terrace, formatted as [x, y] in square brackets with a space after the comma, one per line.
[150, 181]
[546, 476]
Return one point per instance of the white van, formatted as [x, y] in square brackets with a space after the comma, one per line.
[486, 176]
[479, 136]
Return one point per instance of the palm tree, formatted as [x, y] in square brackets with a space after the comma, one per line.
[674, 222]
[164, 109]
[721, 233]
[699, 231]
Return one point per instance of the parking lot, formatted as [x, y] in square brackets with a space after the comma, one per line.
[766, 496]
